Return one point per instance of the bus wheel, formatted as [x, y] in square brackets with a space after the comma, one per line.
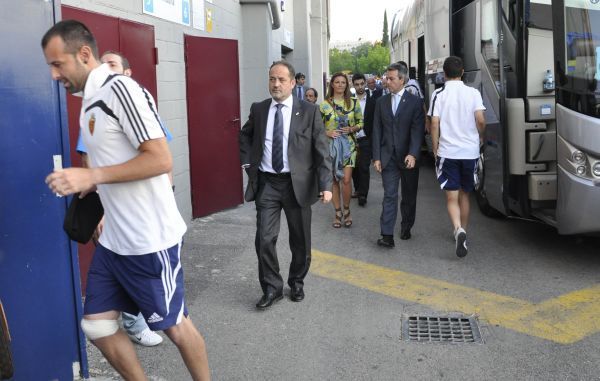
[6, 365]
[480, 196]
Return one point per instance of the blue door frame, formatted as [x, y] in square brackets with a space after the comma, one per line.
[39, 273]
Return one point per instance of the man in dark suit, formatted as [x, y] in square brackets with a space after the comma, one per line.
[361, 174]
[372, 88]
[284, 150]
[300, 89]
[398, 128]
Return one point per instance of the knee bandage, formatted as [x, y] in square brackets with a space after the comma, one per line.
[97, 329]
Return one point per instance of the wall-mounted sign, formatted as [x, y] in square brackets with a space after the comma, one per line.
[198, 14]
[172, 10]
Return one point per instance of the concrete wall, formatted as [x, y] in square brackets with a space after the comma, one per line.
[319, 45]
[259, 45]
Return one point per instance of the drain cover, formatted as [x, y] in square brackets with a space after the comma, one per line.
[441, 329]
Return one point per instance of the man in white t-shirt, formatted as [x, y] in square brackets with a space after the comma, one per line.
[457, 125]
[136, 265]
[135, 325]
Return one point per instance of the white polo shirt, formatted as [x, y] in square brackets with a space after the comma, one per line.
[455, 104]
[117, 115]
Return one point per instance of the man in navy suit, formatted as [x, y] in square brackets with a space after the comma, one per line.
[398, 127]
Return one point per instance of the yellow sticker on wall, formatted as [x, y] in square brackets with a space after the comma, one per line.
[209, 20]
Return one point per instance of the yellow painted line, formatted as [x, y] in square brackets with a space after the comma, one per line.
[565, 319]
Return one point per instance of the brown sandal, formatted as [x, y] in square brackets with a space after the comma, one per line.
[347, 217]
[337, 222]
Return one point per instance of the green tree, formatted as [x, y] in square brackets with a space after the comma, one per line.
[340, 60]
[376, 61]
[366, 58]
[385, 39]
[362, 49]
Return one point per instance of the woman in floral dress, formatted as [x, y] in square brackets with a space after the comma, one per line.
[343, 118]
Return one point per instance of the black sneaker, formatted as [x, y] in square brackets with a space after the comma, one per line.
[461, 242]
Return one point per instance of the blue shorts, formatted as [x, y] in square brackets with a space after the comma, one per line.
[150, 283]
[456, 174]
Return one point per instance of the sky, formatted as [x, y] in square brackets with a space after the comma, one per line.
[354, 19]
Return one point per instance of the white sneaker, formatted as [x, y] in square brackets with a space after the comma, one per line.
[146, 338]
[461, 242]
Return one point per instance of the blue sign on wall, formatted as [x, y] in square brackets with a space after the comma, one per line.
[185, 12]
[149, 6]
[172, 10]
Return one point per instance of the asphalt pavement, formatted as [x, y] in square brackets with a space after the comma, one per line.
[531, 291]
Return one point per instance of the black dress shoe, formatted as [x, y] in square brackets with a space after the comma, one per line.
[297, 294]
[268, 299]
[386, 241]
[362, 201]
[405, 234]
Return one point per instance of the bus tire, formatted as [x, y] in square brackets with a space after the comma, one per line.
[482, 200]
[6, 364]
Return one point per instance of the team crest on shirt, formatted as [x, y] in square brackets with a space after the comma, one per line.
[92, 124]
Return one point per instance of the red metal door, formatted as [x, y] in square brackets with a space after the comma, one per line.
[136, 42]
[106, 31]
[213, 104]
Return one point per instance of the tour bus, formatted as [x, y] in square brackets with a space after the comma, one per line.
[541, 153]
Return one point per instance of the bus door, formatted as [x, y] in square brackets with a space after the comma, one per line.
[577, 57]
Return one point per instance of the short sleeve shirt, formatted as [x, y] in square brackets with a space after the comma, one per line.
[455, 104]
[117, 116]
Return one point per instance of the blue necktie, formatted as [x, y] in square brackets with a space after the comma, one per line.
[277, 143]
[395, 102]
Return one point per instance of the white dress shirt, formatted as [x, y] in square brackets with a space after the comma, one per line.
[363, 104]
[397, 97]
[286, 111]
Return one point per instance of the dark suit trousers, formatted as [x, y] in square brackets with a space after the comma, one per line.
[275, 192]
[362, 173]
[393, 174]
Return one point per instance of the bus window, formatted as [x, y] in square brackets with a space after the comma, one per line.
[457, 5]
[489, 38]
[509, 9]
[463, 36]
[582, 54]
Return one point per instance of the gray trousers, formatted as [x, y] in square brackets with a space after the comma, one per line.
[275, 192]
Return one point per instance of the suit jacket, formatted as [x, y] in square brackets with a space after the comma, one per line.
[376, 93]
[308, 150]
[295, 91]
[369, 114]
[403, 131]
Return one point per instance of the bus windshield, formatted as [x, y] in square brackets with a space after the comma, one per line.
[582, 51]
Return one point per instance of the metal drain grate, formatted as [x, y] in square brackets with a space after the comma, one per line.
[441, 329]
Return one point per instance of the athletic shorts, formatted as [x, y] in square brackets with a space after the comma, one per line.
[456, 174]
[150, 283]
